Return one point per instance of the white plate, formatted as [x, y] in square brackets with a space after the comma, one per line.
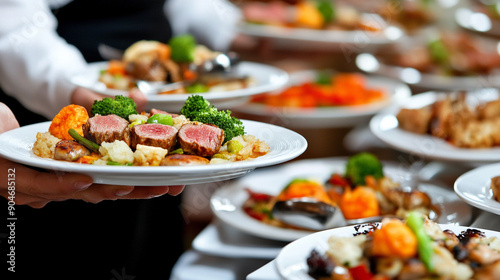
[223, 240]
[477, 21]
[267, 78]
[303, 38]
[226, 202]
[385, 127]
[370, 64]
[285, 145]
[474, 187]
[324, 117]
[291, 261]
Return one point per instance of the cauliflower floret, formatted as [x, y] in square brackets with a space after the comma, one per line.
[45, 144]
[137, 117]
[148, 155]
[180, 121]
[118, 151]
[347, 251]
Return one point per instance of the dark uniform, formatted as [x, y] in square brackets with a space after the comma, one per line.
[123, 239]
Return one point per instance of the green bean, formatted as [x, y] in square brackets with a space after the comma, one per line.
[84, 141]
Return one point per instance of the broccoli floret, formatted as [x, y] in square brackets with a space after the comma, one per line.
[198, 109]
[361, 165]
[182, 48]
[121, 106]
[195, 104]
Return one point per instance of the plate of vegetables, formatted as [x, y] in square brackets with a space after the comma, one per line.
[324, 23]
[438, 60]
[317, 99]
[115, 144]
[247, 203]
[415, 248]
[169, 73]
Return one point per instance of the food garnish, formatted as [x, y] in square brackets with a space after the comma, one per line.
[116, 134]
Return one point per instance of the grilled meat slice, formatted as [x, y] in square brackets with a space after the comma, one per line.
[107, 129]
[200, 139]
[70, 150]
[153, 134]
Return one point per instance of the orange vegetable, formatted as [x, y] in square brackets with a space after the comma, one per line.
[71, 116]
[189, 75]
[394, 239]
[346, 89]
[359, 203]
[116, 67]
[304, 188]
[309, 16]
[88, 159]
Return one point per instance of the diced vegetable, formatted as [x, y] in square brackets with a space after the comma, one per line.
[84, 141]
[361, 165]
[394, 239]
[234, 146]
[161, 119]
[415, 222]
[183, 48]
[70, 117]
[359, 203]
[197, 88]
[438, 51]
[325, 7]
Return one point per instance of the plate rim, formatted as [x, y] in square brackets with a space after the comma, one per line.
[482, 204]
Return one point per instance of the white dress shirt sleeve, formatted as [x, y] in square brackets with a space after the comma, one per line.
[212, 22]
[35, 63]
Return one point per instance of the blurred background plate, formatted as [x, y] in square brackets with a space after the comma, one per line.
[332, 116]
[267, 78]
[474, 187]
[369, 63]
[385, 127]
[227, 202]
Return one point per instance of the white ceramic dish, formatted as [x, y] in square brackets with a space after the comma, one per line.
[325, 117]
[474, 187]
[267, 78]
[223, 240]
[291, 261]
[285, 37]
[226, 202]
[370, 64]
[285, 145]
[385, 127]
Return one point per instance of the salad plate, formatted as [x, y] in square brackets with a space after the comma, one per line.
[285, 145]
[227, 201]
[291, 261]
[385, 127]
[265, 77]
[474, 187]
[331, 116]
[369, 63]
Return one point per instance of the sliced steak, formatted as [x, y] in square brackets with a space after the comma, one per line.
[153, 134]
[202, 140]
[157, 111]
[107, 129]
